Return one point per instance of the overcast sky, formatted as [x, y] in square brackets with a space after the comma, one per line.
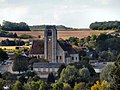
[73, 13]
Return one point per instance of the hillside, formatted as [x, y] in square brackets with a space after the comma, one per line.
[42, 27]
[64, 34]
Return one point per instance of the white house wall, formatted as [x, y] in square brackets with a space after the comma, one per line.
[60, 52]
[75, 56]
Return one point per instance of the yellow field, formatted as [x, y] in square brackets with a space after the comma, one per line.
[61, 34]
[65, 34]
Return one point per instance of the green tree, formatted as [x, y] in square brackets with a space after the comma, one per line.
[10, 26]
[79, 86]
[20, 63]
[1, 82]
[60, 69]
[66, 86]
[8, 76]
[43, 86]
[93, 37]
[115, 75]
[51, 78]
[105, 73]
[69, 74]
[39, 85]
[57, 86]
[35, 78]
[34, 85]
[17, 86]
[84, 63]
[107, 56]
[26, 86]
[82, 54]
[84, 75]
[3, 55]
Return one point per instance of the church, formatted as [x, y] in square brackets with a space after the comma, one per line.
[56, 52]
[53, 50]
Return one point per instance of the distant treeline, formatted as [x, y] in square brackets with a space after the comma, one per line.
[4, 33]
[11, 26]
[8, 42]
[110, 25]
[42, 27]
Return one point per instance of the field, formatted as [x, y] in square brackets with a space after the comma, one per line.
[65, 34]
[61, 34]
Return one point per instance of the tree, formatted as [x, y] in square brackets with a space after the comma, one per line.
[35, 78]
[26, 86]
[17, 86]
[30, 74]
[84, 63]
[69, 75]
[104, 85]
[60, 69]
[39, 85]
[82, 54]
[79, 86]
[3, 55]
[107, 56]
[57, 86]
[8, 76]
[93, 37]
[102, 37]
[110, 25]
[10, 26]
[84, 74]
[0, 75]
[20, 63]
[51, 78]
[115, 75]
[34, 85]
[66, 86]
[105, 73]
[1, 82]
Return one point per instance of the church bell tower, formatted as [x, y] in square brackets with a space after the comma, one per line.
[50, 43]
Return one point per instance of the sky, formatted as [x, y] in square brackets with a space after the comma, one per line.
[72, 13]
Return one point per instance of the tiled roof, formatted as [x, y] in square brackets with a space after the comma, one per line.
[46, 65]
[37, 47]
[67, 47]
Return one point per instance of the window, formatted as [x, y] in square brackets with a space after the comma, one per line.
[76, 58]
[57, 57]
[60, 57]
[72, 58]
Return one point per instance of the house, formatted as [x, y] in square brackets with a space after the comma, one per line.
[43, 69]
[98, 66]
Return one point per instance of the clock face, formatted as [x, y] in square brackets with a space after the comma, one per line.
[49, 33]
